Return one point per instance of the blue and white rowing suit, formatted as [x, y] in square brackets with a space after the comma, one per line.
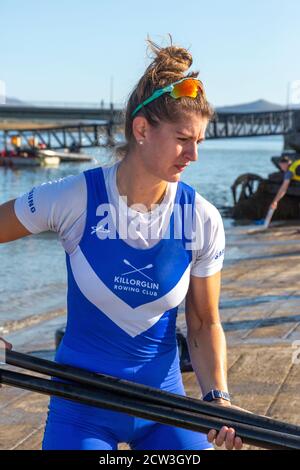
[122, 308]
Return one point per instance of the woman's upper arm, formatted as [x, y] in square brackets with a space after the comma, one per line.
[202, 301]
[58, 206]
[10, 226]
[285, 185]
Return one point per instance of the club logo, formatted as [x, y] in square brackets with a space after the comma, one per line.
[126, 282]
[137, 270]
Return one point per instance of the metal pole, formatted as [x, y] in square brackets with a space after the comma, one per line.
[288, 95]
[111, 91]
[144, 392]
[162, 414]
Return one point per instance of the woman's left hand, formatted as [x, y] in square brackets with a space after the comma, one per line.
[226, 435]
[274, 205]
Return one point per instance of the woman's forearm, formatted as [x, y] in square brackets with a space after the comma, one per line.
[208, 353]
[279, 195]
[282, 191]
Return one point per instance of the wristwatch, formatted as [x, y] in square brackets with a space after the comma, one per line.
[215, 395]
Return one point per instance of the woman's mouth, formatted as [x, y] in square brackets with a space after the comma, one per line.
[180, 167]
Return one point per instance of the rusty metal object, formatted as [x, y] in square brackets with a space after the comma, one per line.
[253, 195]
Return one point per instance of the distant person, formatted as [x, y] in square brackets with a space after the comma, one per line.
[291, 172]
[109, 128]
[42, 146]
[74, 147]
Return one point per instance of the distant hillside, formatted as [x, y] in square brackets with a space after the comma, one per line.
[11, 101]
[254, 106]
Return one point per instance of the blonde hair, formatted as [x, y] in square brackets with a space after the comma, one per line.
[168, 65]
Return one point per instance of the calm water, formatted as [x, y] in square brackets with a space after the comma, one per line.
[32, 271]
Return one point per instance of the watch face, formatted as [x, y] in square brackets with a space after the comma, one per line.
[220, 394]
[216, 394]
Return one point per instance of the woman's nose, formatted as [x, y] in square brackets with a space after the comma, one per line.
[192, 152]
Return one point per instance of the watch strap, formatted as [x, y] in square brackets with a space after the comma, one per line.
[216, 395]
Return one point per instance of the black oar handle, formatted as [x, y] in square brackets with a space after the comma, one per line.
[162, 414]
[146, 393]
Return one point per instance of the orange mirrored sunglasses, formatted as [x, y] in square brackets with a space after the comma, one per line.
[185, 87]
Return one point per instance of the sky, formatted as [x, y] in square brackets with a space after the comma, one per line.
[86, 51]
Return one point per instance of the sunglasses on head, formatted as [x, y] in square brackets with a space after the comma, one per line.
[185, 87]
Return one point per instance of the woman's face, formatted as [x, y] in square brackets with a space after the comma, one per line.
[170, 147]
[284, 166]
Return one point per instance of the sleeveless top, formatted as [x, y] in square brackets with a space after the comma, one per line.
[123, 301]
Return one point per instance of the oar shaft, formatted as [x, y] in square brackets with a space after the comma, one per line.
[251, 435]
[140, 391]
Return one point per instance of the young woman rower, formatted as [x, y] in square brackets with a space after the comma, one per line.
[138, 242]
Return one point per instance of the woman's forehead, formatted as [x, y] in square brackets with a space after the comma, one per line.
[192, 125]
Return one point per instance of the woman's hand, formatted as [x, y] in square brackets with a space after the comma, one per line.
[274, 205]
[226, 435]
[3, 346]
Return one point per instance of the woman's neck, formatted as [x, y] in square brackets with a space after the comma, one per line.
[140, 187]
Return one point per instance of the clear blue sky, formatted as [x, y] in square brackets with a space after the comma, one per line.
[67, 50]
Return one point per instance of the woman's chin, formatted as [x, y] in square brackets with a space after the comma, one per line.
[171, 176]
[176, 176]
[173, 179]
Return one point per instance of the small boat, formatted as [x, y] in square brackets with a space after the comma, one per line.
[27, 158]
[252, 194]
[67, 156]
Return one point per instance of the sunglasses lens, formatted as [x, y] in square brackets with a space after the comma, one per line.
[188, 87]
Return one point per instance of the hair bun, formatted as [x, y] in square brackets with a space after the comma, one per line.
[176, 56]
[167, 61]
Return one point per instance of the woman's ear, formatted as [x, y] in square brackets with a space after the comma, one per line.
[139, 128]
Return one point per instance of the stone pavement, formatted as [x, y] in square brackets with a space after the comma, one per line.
[260, 313]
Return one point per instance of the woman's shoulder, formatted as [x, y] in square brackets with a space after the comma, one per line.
[64, 189]
[64, 183]
[53, 205]
[205, 209]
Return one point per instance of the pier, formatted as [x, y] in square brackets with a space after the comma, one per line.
[60, 112]
[85, 135]
[55, 138]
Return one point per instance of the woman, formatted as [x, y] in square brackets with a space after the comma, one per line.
[138, 241]
[291, 171]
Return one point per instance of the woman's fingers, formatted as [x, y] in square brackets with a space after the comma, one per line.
[225, 436]
[211, 435]
[220, 439]
[238, 443]
[5, 344]
[229, 439]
